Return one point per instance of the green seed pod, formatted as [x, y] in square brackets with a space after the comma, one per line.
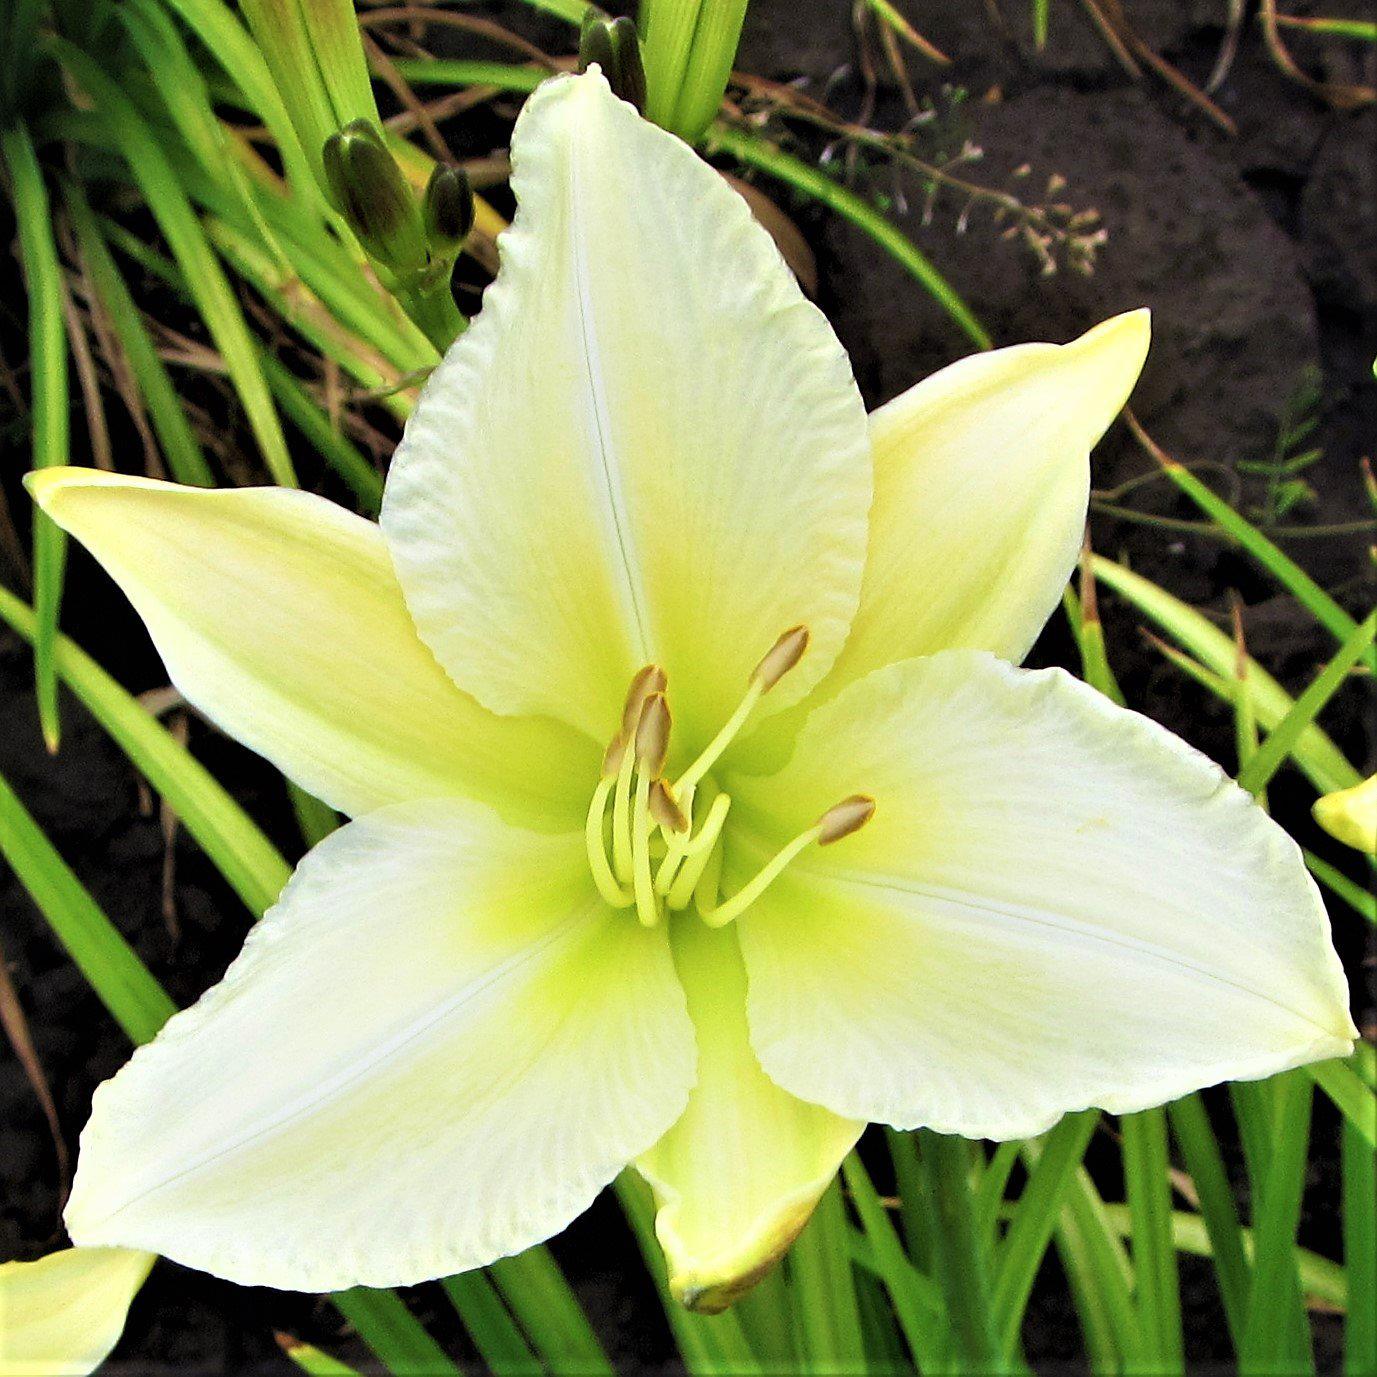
[447, 210]
[614, 46]
[368, 189]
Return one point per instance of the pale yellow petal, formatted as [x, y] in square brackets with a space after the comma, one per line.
[433, 1052]
[647, 447]
[278, 616]
[982, 478]
[61, 1315]
[1056, 904]
[1351, 815]
[739, 1174]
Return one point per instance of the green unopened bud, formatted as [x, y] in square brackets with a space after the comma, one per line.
[367, 188]
[447, 210]
[613, 45]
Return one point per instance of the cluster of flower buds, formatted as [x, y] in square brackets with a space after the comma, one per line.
[416, 242]
[614, 46]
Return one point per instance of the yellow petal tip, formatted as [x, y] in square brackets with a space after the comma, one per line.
[1350, 815]
[711, 1290]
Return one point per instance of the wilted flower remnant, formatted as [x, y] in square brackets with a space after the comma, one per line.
[700, 813]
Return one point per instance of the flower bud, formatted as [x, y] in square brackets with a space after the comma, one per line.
[613, 45]
[367, 188]
[447, 210]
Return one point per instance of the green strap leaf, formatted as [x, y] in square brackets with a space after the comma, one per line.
[139, 1004]
[251, 864]
[204, 277]
[48, 397]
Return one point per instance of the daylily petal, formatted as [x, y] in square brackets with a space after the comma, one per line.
[432, 1052]
[1057, 904]
[61, 1315]
[1351, 815]
[982, 477]
[648, 446]
[739, 1174]
[278, 616]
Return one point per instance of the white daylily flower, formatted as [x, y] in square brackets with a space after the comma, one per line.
[646, 463]
[61, 1316]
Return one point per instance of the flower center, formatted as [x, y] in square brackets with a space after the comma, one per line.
[658, 846]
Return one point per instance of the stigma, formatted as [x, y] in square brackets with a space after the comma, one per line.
[655, 845]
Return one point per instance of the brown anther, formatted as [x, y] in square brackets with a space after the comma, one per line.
[781, 658]
[844, 818]
[652, 735]
[612, 756]
[664, 808]
[649, 680]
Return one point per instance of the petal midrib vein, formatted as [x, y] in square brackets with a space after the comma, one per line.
[609, 488]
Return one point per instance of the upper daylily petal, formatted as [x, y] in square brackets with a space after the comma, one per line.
[982, 477]
[1057, 904]
[278, 615]
[648, 446]
[432, 1052]
[738, 1175]
[61, 1315]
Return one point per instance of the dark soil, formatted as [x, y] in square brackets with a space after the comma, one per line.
[1258, 254]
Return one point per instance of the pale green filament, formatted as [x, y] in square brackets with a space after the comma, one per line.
[658, 860]
[621, 818]
[699, 854]
[677, 843]
[722, 914]
[603, 877]
[647, 905]
[722, 740]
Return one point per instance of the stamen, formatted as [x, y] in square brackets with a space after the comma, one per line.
[844, 818]
[647, 905]
[781, 657]
[652, 735]
[649, 680]
[664, 808]
[839, 821]
[603, 877]
[621, 818]
[612, 757]
[697, 855]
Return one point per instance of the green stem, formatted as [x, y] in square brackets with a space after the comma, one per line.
[1148, 1180]
[826, 1312]
[956, 1245]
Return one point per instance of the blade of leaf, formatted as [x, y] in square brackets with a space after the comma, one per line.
[204, 277]
[1282, 740]
[1033, 1221]
[122, 982]
[1316, 754]
[180, 448]
[251, 864]
[545, 1306]
[1194, 1135]
[499, 1341]
[48, 399]
[917, 1303]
